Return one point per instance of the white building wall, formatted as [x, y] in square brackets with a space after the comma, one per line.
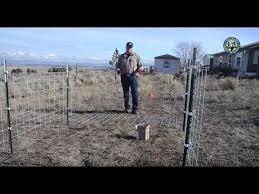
[174, 66]
[158, 65]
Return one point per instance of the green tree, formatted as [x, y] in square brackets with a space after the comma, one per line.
[115, 58]
[114, 61]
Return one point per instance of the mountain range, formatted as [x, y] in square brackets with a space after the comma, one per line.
[88, 62]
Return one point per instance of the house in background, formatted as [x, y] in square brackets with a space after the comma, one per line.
[208, 61]
[167, 64]
[245, 61]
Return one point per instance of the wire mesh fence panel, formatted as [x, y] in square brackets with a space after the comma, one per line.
[40, 103]
[3, 123]
[37, 101]
[199, 75]
[96, 96]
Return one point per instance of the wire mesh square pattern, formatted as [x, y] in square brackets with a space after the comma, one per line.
[36, 102]
[199, 75]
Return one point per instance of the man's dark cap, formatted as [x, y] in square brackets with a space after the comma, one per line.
[129, 44]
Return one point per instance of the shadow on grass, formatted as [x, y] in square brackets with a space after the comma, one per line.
[97, 111]
[128, 137]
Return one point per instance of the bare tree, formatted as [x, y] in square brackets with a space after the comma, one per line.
[184, 50]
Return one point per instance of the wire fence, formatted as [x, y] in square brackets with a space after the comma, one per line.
[74, 100]
[3, 123]
[197, 117]
[37, 101]
[194, 111]
[97, 98]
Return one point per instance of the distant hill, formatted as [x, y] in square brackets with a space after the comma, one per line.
[58, 63]
[90, 63]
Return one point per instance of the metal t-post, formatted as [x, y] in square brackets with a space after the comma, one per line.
[8, 106]
[186, 94]
[67, 109]
[187, 143]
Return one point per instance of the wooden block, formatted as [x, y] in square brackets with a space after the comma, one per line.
[142, 131]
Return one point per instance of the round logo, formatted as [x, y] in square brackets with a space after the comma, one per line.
[231, 45]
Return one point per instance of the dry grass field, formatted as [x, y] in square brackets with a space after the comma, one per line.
[100, 134]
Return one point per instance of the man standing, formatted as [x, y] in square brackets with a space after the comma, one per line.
[128, 67]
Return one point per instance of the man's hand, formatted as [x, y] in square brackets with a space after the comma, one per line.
[138, 71]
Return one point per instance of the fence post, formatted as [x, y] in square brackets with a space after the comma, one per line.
[8, 106]
[186, 95]
[191, 88]
[67, 109]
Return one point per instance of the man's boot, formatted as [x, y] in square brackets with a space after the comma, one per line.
[127, 109]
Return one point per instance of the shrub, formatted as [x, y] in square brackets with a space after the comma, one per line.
[228, 83]
[222, 71]
[16, 71]
[31, 70]
[57, 69]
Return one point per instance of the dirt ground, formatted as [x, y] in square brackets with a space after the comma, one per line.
[97, 145]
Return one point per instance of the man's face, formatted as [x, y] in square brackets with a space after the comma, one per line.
[128, 49]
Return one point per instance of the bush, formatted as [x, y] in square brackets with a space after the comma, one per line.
[222, 71]
[16, 71]
[31, 70]
[57, 69]
[228, 83]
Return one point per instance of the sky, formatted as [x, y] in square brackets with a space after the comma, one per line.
[98, 44]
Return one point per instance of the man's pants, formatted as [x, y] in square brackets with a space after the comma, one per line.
[132, 83]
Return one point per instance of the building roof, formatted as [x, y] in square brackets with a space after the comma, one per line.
[255, 44]
[208, 55]
[167, 56]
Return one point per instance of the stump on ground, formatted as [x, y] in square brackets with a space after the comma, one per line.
[143, 131]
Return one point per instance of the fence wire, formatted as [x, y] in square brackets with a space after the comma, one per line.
[96, 97]
[3, 123]
[37, 101]
[200, 75]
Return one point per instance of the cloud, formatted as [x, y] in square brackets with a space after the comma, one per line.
[50, 56]
[17, 54]
[21, 53]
